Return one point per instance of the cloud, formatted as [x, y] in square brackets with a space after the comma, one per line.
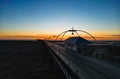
[17, 38]
[118, 35]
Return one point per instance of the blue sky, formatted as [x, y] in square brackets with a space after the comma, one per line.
[32, 17]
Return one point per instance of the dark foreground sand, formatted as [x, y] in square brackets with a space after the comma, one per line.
[27, 60]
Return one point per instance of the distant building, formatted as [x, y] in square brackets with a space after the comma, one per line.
[78, 44]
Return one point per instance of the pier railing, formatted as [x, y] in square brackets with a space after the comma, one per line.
[84, 67]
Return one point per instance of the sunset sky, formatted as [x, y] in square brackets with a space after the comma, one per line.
[29, 19]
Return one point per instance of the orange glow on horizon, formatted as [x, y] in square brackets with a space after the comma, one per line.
[53, 37]
[47, 36]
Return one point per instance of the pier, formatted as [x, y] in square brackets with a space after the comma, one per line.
[84, 67]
